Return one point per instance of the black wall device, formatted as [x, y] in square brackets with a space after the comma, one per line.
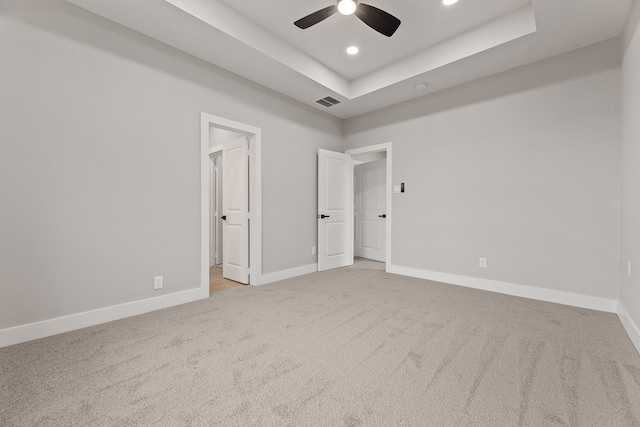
[402, 187]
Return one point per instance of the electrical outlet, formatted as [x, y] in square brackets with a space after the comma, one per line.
[313, 250]
[483, 263]
[628, 268]
[157, 282]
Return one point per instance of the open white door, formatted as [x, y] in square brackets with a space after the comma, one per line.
[215, 210]
[371, 205]
[335, 210]
[235, 204]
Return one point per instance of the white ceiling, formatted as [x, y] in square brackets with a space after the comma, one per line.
[440, 46]
[427, 24]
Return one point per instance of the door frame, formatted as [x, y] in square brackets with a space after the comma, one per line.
[387, 148]
[254, 136]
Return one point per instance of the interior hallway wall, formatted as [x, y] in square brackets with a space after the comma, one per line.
[630, 175]
[100, 167]
[521, 168]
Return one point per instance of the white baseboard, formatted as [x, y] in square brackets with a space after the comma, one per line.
[541, 294]
[629, 325]
[28, 332]
[287, 274]
[59, 325]
[45, 328]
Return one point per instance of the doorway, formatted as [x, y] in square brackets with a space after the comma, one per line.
[370, 206]
[215, 208]
[219, 280]
[217, 140]
[336, 235]
[374, 153]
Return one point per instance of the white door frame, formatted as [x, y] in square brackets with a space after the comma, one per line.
[386, 147]
[254, 135]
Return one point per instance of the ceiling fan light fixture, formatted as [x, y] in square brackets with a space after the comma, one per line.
[347, 7]
[381, 21]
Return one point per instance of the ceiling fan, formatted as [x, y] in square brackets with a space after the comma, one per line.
[377, 19]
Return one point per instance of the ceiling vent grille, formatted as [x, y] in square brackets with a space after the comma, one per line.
[328, 101]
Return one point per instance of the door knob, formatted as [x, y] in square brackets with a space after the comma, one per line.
[324, 216]
[224, 217]
[382, 216]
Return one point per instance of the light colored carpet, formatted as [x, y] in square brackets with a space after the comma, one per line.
[349, 347]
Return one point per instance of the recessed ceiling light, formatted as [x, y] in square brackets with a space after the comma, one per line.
[421, 86]
[449, 2]
[352, 50]
[347, 7]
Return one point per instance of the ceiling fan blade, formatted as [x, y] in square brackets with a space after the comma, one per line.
[316, 17]
[377, 19]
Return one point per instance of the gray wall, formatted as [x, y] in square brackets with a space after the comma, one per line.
[630, 174]
[100, 168]
[520, 168]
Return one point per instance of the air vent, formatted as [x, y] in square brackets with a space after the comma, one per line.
[328, 101]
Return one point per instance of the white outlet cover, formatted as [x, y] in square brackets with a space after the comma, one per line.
[157, 282]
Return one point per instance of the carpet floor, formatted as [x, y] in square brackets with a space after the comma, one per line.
[349, 347]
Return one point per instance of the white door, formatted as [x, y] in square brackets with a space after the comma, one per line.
[335, 210]
[217, 210]
[235, 206]
[371, 204]
[213, 215]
